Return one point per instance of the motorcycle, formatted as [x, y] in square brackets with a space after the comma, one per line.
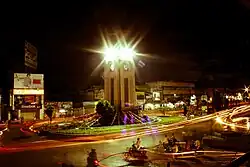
[92, 162]
[133, 154]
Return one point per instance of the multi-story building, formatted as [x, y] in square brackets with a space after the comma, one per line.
[94, 93]
[165, 90]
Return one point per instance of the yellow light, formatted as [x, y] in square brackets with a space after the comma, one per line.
[218, 119]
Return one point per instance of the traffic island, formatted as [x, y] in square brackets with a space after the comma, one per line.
[116, 128]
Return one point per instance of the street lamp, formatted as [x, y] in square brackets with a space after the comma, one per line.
[117, 55]
[246, 89]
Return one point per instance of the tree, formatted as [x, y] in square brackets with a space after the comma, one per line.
[49, 112]
[106, 111]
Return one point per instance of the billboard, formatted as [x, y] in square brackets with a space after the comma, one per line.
[28, 81]
[30, 55]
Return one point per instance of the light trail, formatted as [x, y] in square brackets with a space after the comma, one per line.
[114, 137]
[233, 124]
[1, 132]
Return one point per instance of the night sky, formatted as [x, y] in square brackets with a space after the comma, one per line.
[184, 38]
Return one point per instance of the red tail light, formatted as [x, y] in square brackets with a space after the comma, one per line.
[96, 162]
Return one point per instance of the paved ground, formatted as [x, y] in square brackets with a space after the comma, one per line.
[77, 151]
[15, 135]
[77, 154]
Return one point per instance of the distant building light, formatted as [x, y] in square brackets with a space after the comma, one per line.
[62, 110]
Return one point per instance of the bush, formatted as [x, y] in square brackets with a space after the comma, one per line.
[106, 111]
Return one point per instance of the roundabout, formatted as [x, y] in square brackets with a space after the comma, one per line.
[76, 128]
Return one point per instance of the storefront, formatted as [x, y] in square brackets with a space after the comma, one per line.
[27, 97]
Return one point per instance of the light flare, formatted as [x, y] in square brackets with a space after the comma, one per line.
[246, 89]
[122, 48]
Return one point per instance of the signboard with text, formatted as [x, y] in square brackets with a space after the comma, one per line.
[28, 81]
[30, 55]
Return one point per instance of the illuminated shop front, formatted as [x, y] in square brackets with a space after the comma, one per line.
[27, 97]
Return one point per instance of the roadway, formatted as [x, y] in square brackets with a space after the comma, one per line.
[50, 152]
[76, 153]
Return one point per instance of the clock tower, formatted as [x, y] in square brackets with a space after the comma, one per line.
[119, 82]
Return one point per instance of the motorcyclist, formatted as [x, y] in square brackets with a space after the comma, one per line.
[197, 144]
[192, 145]
[92, 158]
[166, 142]
[134, 146]
[93, 154]
[138, 143]
[173, 138]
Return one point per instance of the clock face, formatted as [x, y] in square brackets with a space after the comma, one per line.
[126, 66]
[111, 66]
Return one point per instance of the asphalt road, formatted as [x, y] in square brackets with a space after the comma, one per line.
[77, 154]
[15, 135]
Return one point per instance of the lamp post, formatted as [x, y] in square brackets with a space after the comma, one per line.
[117, 55]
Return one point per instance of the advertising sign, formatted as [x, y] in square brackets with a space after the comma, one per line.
[30, 55]
[28, 81]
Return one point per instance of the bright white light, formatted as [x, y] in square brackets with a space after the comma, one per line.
[110, 54]
[62, 110]
[246, 89]
[127, 54]
[120, 53]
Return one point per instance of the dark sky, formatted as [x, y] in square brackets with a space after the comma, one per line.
[182, 36]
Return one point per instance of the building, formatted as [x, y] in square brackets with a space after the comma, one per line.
[19, 57]
[94, 93]
[167, 90]
[119, 83]
[27, 96]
